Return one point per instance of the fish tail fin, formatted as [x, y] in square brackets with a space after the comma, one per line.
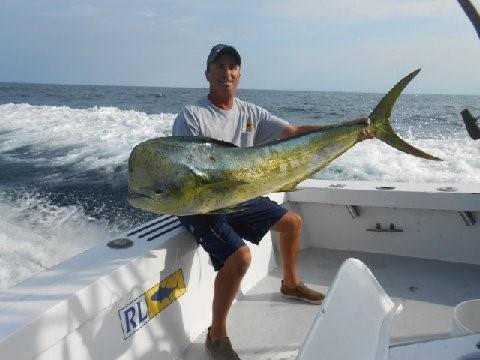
[380, 120]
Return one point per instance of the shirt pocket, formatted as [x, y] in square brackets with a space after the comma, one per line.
[246, 139]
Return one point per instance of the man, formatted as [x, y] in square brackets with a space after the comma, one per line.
[222, 116]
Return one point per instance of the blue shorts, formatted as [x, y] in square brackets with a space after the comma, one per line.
[222, 234]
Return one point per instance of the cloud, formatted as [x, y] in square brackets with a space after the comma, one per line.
[148, 13]
[72, 10]
[355, 11]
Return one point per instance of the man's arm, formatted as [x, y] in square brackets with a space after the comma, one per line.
[185, 125]
[292, 130]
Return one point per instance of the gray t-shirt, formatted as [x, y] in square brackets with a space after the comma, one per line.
[245, 124]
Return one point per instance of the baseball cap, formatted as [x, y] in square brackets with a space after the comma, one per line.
[220, 49]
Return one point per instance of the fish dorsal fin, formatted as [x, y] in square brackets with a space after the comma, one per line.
[205, 140]
[222, 143]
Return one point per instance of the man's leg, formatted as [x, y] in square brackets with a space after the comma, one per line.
[290, 228]
[230, 257]
[226, 286]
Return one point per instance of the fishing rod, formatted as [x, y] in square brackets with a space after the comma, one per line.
[471, 13]
[471, 124]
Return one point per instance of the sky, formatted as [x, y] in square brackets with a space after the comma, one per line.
[342, 45]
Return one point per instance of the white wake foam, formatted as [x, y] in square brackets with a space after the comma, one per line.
[93, 138]
[35, 234]
[375, 161]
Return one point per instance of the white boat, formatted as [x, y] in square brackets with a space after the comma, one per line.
[152, 300]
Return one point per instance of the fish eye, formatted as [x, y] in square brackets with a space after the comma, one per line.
[158, 192]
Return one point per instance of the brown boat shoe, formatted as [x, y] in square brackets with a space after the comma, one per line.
[303, 293]
[220, 349]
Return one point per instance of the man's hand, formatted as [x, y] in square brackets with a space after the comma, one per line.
[361, 120]
[364, 135]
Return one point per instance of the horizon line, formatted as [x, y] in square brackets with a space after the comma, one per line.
[239, 89]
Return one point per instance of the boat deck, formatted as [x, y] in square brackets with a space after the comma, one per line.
[263, 325]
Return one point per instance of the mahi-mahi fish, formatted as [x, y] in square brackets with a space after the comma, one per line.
[185, 175]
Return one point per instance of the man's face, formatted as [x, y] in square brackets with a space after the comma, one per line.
[223, 75]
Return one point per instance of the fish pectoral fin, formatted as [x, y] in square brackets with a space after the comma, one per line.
[200, 174]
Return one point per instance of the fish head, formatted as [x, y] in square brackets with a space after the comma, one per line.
[157, 180]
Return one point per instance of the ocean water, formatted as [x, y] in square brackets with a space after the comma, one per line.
[64, 151]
